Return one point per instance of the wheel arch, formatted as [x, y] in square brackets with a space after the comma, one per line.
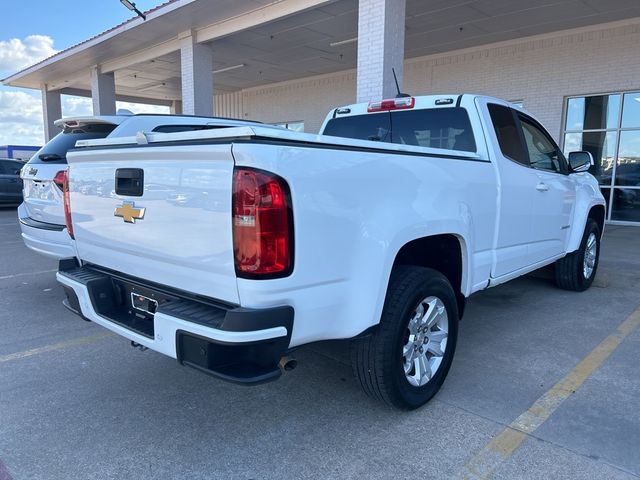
[444, 252]
[596, 211]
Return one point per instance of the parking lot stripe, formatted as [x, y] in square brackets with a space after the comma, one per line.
[502, 446]
[55, 346]
[27, 273]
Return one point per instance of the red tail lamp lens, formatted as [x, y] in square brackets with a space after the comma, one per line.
[67, 200]
[262, 226]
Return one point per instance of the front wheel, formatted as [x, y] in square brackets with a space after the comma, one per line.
[405, 361]
[577, 270]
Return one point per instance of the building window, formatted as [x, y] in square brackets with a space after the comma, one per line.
[608, 126]
[295, 126]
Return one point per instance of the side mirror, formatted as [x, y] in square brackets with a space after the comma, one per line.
[580, 161]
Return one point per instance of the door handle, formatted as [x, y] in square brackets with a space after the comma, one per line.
[542, 187]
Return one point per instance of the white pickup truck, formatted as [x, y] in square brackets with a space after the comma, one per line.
[229, 248]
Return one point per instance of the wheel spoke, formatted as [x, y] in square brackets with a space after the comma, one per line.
[425, 370]
[408, 351]
[407, 368]
[435, 310]
[438, 336]
[435, 348]
[416, 319]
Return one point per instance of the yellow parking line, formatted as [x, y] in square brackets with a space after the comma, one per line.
[56, 346]
[502, 446]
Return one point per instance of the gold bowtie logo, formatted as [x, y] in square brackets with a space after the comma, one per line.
[129, 212]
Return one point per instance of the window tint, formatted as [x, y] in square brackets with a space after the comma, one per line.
[7, 167]
[447, 128]
[376, 126]
[55, 151]
[183, 128]
[544, 154]
[507, 132]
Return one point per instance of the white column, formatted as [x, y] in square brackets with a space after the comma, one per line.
[176, 107]
[51, 111]
[381, 26]
[103, 92]
[196, 62]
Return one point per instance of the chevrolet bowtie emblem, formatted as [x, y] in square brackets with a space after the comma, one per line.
[129, 212]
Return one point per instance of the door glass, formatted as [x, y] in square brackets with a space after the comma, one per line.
[543, 153]
[507, 133]
[628, 168]
[631, 110]
[593, 113]
[602, 145]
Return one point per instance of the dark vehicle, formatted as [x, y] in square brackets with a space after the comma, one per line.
[10, 182]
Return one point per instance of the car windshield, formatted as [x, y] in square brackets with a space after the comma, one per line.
[55, 151]
[447, 128]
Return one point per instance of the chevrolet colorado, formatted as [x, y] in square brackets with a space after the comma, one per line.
[227, 249]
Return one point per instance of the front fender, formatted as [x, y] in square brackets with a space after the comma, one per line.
[588, 195]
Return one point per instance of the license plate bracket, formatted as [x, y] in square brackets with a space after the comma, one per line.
[144, 304]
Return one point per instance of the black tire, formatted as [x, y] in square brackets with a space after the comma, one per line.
[377, 359]
[569, 270]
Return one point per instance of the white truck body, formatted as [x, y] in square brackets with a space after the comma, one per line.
[41, 214]
[355, 205]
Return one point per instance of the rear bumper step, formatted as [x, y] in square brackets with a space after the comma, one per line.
[232, 343]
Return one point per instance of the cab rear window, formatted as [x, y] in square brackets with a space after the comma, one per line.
[445, 128]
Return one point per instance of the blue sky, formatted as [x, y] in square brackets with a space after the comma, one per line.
[34, 29]
[67, 22]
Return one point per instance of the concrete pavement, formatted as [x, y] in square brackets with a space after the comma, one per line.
[77, 403]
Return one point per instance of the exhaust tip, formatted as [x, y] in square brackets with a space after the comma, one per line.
[288, 363]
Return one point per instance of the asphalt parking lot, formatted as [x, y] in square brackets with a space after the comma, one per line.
[545, 384]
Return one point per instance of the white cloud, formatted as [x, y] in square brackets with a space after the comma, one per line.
[76, 106]
[142, 108]
[21, 114]
[16, 54]
[20, 118]
[81, 106]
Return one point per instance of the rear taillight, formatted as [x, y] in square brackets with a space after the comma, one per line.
[401, 103]
[67, 201]
[262, 224]
[58, 180]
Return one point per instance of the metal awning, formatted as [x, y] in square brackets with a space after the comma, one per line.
[258, 42]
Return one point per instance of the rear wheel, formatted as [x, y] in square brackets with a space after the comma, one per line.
[405, 361]
[577, 270]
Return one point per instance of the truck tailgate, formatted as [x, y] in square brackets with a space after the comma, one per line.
[184, 236]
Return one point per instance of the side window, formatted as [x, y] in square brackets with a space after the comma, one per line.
[508, 134]
[544, 154]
